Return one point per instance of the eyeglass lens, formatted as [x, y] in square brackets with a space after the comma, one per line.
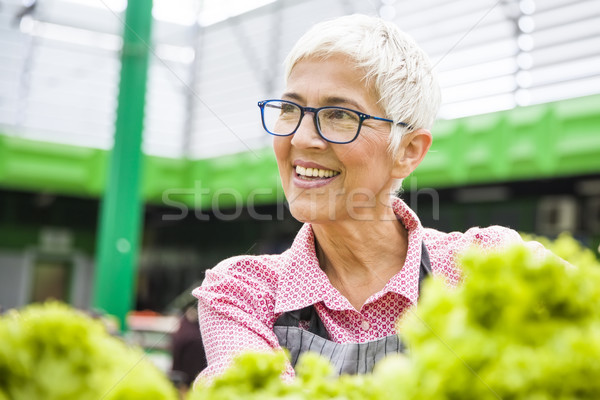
[335, 124]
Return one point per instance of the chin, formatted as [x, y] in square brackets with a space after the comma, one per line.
[308, 213]
[302, 214]
[313, 214]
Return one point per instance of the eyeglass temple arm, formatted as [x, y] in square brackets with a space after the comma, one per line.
[365, 116]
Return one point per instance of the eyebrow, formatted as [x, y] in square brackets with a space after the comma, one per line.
[292, 96]
[327, 100]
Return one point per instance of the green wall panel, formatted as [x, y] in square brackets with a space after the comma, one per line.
[28, 164]
[529, 145]
[577, 147]
[554, 139]
[161, 174]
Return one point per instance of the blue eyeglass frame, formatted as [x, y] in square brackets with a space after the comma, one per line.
[362, 117]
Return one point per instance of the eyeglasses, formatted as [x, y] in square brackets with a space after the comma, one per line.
[334, 124]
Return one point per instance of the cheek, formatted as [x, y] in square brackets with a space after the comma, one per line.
[364, 154]
[281, 148]
[367, 162]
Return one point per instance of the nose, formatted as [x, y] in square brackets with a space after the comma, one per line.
[306, 135]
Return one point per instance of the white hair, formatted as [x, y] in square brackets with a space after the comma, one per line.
[399, 69]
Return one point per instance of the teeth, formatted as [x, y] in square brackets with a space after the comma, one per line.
[315, 172]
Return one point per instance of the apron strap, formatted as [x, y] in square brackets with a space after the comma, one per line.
[425, 267]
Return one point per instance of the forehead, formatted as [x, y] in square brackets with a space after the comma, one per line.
[334, 77]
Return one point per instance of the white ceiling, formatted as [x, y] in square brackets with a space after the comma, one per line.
[59, 67]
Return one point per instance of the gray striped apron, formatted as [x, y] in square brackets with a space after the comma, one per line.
[346, 358]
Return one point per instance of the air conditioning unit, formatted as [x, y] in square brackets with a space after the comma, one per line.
[556, 214]
[592, 215]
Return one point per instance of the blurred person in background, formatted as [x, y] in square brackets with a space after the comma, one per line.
[353, 121]
[187, 349]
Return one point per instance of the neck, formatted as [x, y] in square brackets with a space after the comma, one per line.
[360, 257]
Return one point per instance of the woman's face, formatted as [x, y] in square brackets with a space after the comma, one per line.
[357, 177]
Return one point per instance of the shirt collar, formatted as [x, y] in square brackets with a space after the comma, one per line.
[303, 283]
[406, 281]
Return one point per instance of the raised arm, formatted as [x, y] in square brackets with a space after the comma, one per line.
[235, 310]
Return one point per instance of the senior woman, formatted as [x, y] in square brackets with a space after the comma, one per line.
[352, 122]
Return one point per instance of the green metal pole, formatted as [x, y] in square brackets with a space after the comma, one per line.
[121, 208]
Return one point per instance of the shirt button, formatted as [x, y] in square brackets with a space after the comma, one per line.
[365, 325]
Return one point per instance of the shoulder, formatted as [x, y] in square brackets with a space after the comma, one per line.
[490, 238]
[252, 268]
[445, 247]
[242, 276]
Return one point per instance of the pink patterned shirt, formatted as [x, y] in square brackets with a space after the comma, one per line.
[241, 297]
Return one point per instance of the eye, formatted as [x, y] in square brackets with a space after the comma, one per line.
[339, 115]
[288, 108]
[287, 111]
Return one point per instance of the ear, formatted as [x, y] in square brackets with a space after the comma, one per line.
[412, 150]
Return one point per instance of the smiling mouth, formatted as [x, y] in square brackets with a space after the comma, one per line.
[314, 173]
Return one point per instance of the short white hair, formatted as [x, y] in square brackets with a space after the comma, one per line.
[399, 69]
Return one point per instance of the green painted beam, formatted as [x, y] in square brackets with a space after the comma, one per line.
[535, 142]
[122, 203]
[541, 141]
